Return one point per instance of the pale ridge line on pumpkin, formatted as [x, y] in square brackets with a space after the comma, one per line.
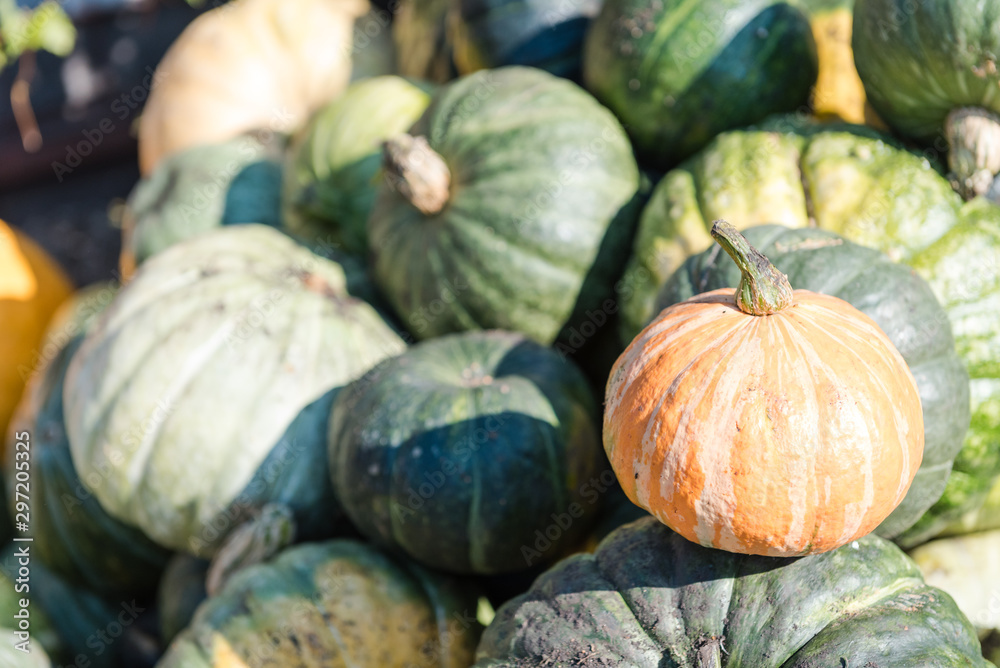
[782, 327]
[673, 454]
[900, 423]
[714, 460]
[670, 329]
[815, 360]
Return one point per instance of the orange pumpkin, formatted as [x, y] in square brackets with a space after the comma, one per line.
[762, 420]
[32, 286]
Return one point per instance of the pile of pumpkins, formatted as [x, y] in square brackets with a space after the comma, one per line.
[622, 333]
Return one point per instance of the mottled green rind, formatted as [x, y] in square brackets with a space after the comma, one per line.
[201, 188]
[650, 598]
[919, 59]
[71, 533]
[334, 167]
[315, 600]
[848, 179]
[963, 268]
[203, 392]
[547, 34]
[65, 620]
[900, 303]
[461, 472]
[538, 224]
[181, 591]
[679, 72]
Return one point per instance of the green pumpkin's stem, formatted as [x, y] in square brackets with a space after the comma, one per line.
[417, 172]
[973, 135]
[251, 543]
[763, 290]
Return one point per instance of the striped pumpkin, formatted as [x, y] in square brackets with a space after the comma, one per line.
[764, 421]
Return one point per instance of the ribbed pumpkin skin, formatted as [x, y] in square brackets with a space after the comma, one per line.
[780, 435]
[339, 604]
[204, 390]
[919, 59]
[334, 168]
[649, 599]
[538, 223]
[897, 300]
[847, 179]
[199, 189]
[32, 286]
[963, 269]
[547, 34]
[252, 64]
[671, 69]
[70, 531]
[460, 449]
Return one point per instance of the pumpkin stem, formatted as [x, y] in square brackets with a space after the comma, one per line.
[973, 135]
[763, 290]
[417, 172]
[251, 543]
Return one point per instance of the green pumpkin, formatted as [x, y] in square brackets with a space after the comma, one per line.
[472, 453]
[72, 624]
[199, 189]
[844, 178]
[419, 31]
[648, 597]
[678, 73]
[182, 590]
[547, 34]
[334, 167]
[899, 302]
[339, 604]
[524, 218]
[203, 392]
[963, 269]
[930, 70]
[71, 533]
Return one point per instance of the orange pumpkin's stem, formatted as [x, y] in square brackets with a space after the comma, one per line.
[763, 290]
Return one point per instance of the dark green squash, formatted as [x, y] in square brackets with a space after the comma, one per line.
[71, 533]
[649, 598]
[930, 70]
[524, 218]
[899, 302]
[338, 604]
[845, 178]
[334, 167]
[181, 591]
[472, 453]
[678, 73]
[75, 626]
[547, 34]
[201, 188]
[202, 394]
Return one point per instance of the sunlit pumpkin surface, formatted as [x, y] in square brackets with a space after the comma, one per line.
[779, 435]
